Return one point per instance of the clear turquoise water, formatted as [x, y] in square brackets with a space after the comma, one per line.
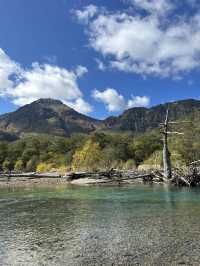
[137, 225]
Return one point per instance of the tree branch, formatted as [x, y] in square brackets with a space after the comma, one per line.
[177, 133]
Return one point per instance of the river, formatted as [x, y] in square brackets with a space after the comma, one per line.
[70, 225]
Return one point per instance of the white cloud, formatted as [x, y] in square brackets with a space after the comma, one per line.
[147, 44]
[80, 106]
[7, 68]
[81, 70]
[41, 81]
[111, 98]
[116, 102]
[100, 64]
[159, 7]
[87, 13]
[138, 101]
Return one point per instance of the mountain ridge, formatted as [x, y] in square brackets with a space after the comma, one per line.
[140, 119]
[53, 117]
[47, 116]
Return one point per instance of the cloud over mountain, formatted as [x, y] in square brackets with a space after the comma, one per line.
[41, 81]
[115, 102]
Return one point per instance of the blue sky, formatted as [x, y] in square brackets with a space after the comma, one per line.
[100, 57]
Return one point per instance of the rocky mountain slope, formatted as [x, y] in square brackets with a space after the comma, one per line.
[47, 116]
[139, 120]
[53, 117]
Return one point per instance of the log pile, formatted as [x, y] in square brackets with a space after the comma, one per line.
[112, 175]
[189, 177]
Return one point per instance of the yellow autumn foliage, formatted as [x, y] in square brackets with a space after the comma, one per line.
[87, 158]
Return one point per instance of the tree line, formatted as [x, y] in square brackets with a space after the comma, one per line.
[97, 151]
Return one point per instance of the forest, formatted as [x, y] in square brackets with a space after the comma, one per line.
[97, 151]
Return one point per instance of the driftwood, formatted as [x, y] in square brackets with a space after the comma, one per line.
[179, 178]
[189, 178]
[112, 175]
[29, 175]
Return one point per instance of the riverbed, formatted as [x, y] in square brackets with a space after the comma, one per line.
[72, 225]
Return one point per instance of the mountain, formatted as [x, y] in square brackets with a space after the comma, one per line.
[47, 116]
[141, 119]
[53, 117]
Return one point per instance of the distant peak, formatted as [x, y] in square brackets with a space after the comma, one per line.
[48, 101]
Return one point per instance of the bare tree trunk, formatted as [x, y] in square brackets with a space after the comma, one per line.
[166, 159]
[166, 153]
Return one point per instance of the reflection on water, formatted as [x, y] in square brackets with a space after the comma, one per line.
[138, 225]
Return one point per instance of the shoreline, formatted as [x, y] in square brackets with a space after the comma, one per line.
[14, 180]
[34, 182]
[52, 182]
[107, 178]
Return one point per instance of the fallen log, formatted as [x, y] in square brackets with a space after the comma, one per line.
[195, 162]
[30, 175]
[179, 177]
[115, 176]
[158, 176]
[184, 180]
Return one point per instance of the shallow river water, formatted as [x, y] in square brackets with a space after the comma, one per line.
[66, 225]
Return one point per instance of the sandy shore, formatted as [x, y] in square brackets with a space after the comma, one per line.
[78, 178]
[46, 182]
[52, 182]
[36, 182]
[89, 181]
